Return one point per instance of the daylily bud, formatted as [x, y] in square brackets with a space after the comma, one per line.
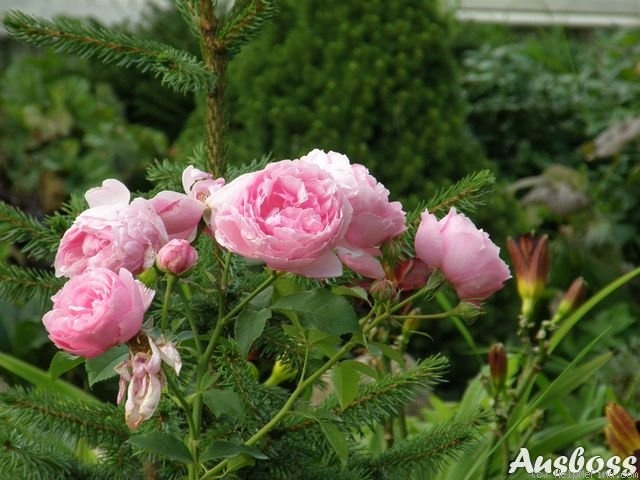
[498, 366]
[572, 298]
[621, 432]
[176, 257]
[280, 373]
[530, 257]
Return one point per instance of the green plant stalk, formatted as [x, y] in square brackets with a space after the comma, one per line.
[214, 58]
[171, 281]
[571, 320]
[189, 314]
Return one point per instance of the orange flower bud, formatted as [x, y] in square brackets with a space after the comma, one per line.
[572, 298]
[621, 432]
[530, 257]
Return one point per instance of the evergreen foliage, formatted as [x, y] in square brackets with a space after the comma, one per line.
[176, 69]
[375, 80]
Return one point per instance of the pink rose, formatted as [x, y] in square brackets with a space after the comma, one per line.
[176, 257]
[200, 185]
[466, 256]
[97, 310]
[289, 215]
[111, 234]
[375, 219]
[179, 213]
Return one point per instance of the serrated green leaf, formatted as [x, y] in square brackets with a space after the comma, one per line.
[346, 381]
[249, 326]
[62, 362]
[223, 449]
[388, 351]
[102, 367]
[336, 439]
[164, 445]
[319, 308]
[357, 292]
[223, 402]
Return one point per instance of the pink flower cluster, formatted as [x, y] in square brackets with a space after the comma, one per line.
[308, 216]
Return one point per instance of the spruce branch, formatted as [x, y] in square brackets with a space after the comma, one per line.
[244, 23]
[19, 284]
[428, 450]
[190, 12]
[466, 194]
[177, 69]
[17, 227]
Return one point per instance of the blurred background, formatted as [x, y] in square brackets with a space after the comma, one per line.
[544, 93]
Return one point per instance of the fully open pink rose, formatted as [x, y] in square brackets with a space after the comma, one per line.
[290, 215]
[97, 310]
[180, 214]
[111, 234]
[466, 256]
[375, 219]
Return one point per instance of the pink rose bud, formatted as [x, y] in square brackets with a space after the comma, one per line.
[374, 220]
[382, 290]
[111, 234]
[290, 215]
[466, 256]
[176, 257]
[96, 311]
[179, 213]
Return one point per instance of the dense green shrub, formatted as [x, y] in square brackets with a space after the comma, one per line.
[62, 133]
[373, 79]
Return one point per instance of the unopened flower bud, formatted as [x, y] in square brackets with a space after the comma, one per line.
[530, 257]
[382, 290]
[498, 366]
[176, 257]
[468, 311]
[621, 431]
[281, 372]
[573, 297]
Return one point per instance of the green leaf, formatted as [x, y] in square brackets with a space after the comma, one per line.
[388, 351]
[164, 445]
[42, 379]
[357, 292]
[249, 326]
[319, 308]
[555, 439]
[346, 381]
[223, 449]
[62, 362]
[223, 402]
[102, 367]
[336, 439]
[362, 368]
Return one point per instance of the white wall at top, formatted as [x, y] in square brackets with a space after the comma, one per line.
[525, 12]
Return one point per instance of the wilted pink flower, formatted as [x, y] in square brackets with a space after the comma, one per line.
[176, 257]
[142, 378]
[97, 310]
[374, 220]
[466, 256]
[111, 234]
[200, 185]
[180, 214]
[412, 274]
[289, 215]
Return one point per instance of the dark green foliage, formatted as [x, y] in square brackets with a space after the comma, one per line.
[177, 69]
[243, 23]
[372, 79]
[19, 284]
